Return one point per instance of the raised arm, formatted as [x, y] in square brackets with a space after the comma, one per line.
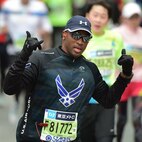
[109, 96]
[19, 75]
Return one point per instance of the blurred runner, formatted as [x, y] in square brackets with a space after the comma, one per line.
[103, 49]
[132, 34]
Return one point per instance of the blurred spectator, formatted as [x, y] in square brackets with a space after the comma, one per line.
[78, 6]
[27, 15]
[20, 16]
[4, 57]
[132, 34]
[4, 60]
[1, 2]
[59, 13]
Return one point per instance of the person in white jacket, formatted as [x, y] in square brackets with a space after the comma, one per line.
[19, 16]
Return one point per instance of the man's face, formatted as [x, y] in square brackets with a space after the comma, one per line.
[75, 43]
[98, 16]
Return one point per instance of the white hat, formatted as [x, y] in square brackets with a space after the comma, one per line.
[130, 9]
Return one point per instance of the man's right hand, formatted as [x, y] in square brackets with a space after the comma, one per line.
[31, 43]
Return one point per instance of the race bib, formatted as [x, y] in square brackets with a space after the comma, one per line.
[105, 65]
[62, 126]
[104, 59]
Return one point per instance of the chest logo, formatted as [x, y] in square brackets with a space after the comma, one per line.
[68, 98]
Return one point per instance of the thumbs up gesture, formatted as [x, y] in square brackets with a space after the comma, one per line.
[126, 61]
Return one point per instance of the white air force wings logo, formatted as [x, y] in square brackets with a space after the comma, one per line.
[68, 98]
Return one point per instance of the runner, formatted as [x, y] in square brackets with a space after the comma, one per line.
[60, 82]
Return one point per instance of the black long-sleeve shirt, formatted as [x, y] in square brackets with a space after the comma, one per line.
[54, 80]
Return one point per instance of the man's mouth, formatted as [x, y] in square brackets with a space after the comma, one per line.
[77, 49]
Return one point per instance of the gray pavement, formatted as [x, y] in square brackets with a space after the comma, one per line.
[8, 122]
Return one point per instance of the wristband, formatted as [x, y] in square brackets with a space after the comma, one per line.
[127, 77]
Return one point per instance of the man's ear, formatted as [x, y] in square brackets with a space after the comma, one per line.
[64, 35]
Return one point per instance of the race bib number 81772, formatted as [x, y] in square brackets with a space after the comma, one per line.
[61, 126]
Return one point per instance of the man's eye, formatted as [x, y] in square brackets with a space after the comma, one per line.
[86, 38]
[76, 36]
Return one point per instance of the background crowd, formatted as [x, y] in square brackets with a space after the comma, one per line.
[117, 24]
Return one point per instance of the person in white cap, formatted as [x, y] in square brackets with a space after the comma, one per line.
[131, 9]
[59, 83]
[132, 35]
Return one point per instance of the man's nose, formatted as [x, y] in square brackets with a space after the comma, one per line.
[80, 41]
